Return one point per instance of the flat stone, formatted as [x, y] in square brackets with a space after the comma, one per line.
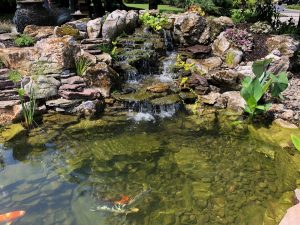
[85, 94]
[72, 86]
[62, 103]
[8, 104]
[158, 88]
[73, 80]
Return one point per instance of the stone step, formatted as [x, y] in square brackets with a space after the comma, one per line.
[6, 84]
[8, 104]
[94, 41]
[87, 93]
[94, 52]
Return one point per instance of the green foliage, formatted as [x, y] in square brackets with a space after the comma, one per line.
[154, 22]
[24, 40]
[14, 75]
[213, 7]
[253, 89]
[229, 60]
[241, 16]
[296, 141]
[82, 64]
[109, 49]
[183, 81]
[28, 109]
[180, 64]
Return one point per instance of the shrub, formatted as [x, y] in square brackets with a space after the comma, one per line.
[240, 38]
[154, 22]
[82, 64]
[24, 40]
[253, 89]
[241, 16]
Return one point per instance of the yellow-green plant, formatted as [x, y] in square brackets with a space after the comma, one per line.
[154, 22]
[81, 64]
[180, 64]
[296, 141]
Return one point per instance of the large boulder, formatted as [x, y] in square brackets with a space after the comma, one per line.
[43, 87]
[51, 55]
[226, 79]
[39, 32]
[94, 28]
[188, 28]
[131, 21]
[206, 65]
[102, 77]
[285, 44]
[114, 25]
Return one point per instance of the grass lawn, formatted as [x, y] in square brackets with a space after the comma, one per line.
[297, 7]
[162, 8]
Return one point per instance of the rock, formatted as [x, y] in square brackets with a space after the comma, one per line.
[43, 87]
[80, 24]
[233, 57]
[13, 131]
[89, 108]
[94, 28]
[285, 124]
[205, 36]
[216, 25]
[104, 57]
[188, 97]
[292, 217]
[85, 94]
[114, 25]
[211, 98]
[206, 65]
[198, 83]
[48, 56]
[10, 111]
[227, 79]
[88, 56]
[73, 87]
[39, 32]
[159, 88]
[102, 77]
[234, 101]
[62, 103]
[131, 21]
[221, 45]
[280, 65]
[73, 80]
[188, 28]
[64, 30]
[198, 51]
[285, 44]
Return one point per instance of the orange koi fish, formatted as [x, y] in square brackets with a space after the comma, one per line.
[8, 218]
[124, 200]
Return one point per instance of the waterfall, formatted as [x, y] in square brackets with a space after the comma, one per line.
[167, 74]
[168, 40]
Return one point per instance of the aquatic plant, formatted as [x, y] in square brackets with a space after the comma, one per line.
[154, 22]
[24, 40]
[81, 64]
[296, 141]
[240, 38]
[28, 109]
[253, 89]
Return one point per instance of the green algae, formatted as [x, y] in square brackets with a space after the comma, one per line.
[13, 131]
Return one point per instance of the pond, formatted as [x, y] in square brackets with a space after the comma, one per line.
[198, 171]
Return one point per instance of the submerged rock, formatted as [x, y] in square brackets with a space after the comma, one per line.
[13, 131]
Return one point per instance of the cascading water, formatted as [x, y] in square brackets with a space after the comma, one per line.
[167, 74]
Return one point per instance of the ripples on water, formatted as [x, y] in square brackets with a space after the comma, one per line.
[199, 174]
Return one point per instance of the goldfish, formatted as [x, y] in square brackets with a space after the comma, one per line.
[123, 201]
[10, 217]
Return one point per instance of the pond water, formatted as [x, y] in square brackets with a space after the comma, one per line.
[198, 172]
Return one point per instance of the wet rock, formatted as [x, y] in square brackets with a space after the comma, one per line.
[159, 88]
[198, 51]
[102, 77]
[188, 28]
[198, 83]
[166, 100]
[62, 103]
[94, 28]
[227, 79]
[188, 97]
[65, 29]
[114, 25]
[89, 109]
[206, 65]
[211, 98]
[13, 131]
[85, 94]
[39, 32]
[43, 87]
[284, 43]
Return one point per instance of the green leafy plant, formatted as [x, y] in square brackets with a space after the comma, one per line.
[296, 141]
[154, 22]
[106, 48]
[82, 64]
[28, 109]
[24, 40]
[253, 89]
[180, 64]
